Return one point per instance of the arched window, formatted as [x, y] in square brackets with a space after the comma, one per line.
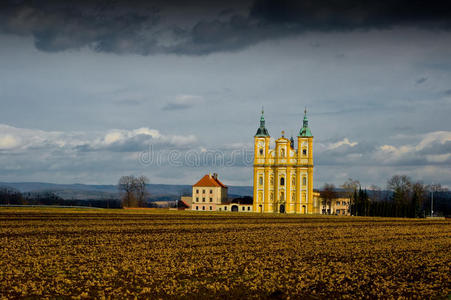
[282, 181]
[261, 151]
[260, 180]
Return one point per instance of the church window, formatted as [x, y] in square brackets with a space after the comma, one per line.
[304, 151]
[282, 181]
[304, 181]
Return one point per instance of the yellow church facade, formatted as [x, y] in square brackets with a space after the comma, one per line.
[283, 175]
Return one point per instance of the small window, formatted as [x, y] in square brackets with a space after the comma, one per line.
[197, 199]
[203, 191]
[203, 207]
[211, 208]
[304, 152]
[260, 180]
[248, 208]
[244, 208]
[220, 209]
[282, 152]
[197, 207]
[304, 181]
[211, 191]
[282, 181]
[197, 191]
[203, 199]
[211, 199]
[261, 151]
[225, 207]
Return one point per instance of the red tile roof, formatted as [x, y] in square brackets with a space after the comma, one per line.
[209, 180]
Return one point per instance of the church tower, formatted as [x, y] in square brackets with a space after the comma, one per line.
[283, 176]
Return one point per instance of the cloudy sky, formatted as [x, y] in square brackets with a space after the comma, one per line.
[99, 89]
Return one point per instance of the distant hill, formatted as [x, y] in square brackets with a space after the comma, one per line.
[99, 192]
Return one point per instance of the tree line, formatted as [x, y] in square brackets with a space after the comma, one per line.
[11, 196]
[403, 198]
[132, 192]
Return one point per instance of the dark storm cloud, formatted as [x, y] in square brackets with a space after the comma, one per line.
[421, 80]
[177, 106]
[146, 27]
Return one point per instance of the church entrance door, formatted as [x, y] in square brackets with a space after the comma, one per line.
[282, 208]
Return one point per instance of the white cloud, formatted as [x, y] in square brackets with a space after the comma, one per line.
[22, 139]
[344, 142]
[8, 141]
[428, 148]
[433, 137]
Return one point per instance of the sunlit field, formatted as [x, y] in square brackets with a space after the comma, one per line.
[151, 254]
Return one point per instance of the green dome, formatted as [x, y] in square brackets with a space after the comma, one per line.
[262, 131]
[305, 130]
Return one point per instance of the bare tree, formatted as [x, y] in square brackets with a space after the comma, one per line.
[436, 187]
[328, 195]
[351, 186]
[401, 186]
[419, 195]
[141, 190]
[133, 190]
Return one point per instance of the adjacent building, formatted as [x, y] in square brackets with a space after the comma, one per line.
[283, 176]
[210, 194]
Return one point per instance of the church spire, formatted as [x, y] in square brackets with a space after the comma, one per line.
[262, 131]
[305, 130]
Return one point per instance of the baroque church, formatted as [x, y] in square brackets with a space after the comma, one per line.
[283, 176]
